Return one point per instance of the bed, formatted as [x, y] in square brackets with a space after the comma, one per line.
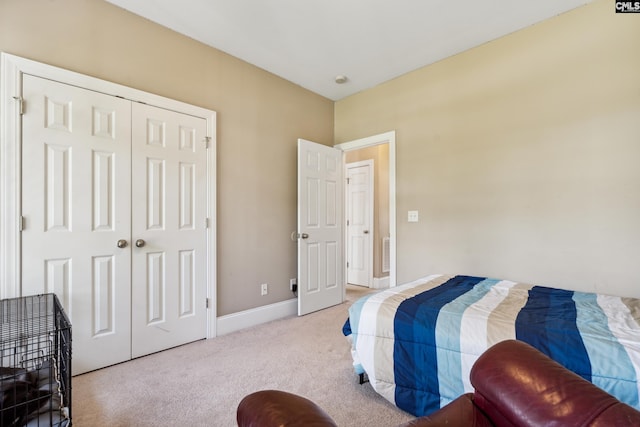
[416, 342]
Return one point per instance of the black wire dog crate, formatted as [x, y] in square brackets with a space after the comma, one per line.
[35, 362]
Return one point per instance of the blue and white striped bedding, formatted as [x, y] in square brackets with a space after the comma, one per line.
[417, 342]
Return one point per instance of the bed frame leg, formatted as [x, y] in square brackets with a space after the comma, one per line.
[363, 378]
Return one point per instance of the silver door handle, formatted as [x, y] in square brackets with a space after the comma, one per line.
[140, 243]
[122, 243]
[304, 236]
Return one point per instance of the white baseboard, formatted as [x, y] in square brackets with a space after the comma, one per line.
[256, 316]
[380, 282]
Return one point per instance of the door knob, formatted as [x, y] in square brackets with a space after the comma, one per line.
[122, 243]
[366, 231]
[140, 243]
[304, 235]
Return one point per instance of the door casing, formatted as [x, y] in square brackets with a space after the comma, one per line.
[12, 68]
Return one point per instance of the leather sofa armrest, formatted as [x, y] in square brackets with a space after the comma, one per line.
[274, 408]
[515, 384]
[460, 412]
[618, 414]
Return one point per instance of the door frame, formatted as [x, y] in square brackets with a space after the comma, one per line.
[11, 70]
[370, 141]
[369, 213]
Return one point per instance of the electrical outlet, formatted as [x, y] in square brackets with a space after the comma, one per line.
[264, 289]
[292, 284]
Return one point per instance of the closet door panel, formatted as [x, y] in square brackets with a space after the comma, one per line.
[76, 204]
[169, 184]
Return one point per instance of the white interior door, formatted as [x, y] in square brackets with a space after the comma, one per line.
[169, 238]
[360, 223]
[320, 217]
[76, 204]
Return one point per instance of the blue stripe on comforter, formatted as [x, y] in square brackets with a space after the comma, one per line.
[548, 322]
[346, 328]
[417, 347]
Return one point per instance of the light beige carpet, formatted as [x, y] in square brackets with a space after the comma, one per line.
[201, 384]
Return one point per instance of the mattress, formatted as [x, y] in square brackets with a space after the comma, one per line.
[417, 342]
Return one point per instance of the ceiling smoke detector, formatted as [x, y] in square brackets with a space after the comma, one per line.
[341, 79]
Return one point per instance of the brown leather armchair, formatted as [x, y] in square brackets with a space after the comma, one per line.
[515, 385]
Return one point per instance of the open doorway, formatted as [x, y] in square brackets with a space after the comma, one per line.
[382, 230]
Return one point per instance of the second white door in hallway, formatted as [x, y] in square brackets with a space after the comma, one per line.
[360, 230]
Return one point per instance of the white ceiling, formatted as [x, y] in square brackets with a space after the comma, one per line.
[310, 42]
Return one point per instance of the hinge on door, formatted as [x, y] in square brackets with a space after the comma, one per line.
[207, 142]
[206, 223]
[347, 264]
[206, 304]
[21, 104]
[21, 223]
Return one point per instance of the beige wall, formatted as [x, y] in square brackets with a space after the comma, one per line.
[380, 156]
[260, 117]
[521, 155]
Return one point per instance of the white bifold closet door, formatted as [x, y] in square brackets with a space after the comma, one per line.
[113, 201]
[169, 230]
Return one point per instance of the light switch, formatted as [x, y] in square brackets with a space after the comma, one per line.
[412, 216]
